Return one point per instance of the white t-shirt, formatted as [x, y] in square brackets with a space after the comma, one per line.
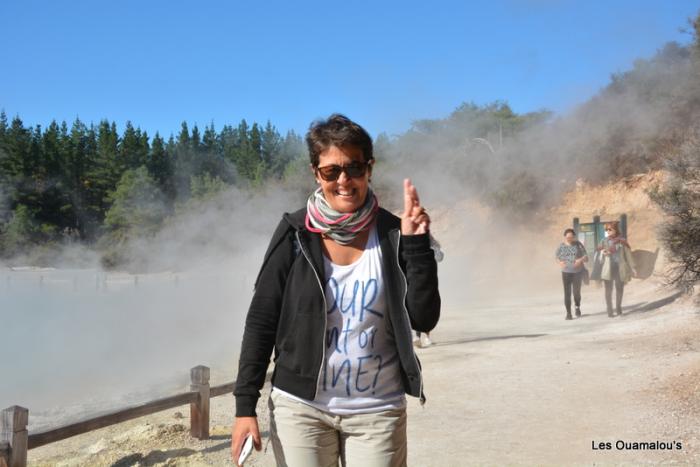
[361, 371]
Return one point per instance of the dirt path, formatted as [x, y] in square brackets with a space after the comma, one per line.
[508, 382]
[524, 386]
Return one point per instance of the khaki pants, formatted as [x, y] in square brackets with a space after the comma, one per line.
[303, 436]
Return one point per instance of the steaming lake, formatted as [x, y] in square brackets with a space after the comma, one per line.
[76, 342]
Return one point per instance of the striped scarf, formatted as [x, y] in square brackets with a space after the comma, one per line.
[341, 227]
[613, 244]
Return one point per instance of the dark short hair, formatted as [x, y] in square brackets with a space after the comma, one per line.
[569, 230]
[337, 130]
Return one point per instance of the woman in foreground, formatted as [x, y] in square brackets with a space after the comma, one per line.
[342, 285]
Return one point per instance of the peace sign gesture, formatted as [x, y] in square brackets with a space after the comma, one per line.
[414, 220]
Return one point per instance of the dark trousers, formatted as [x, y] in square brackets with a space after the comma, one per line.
[571, 280]
[619, 288]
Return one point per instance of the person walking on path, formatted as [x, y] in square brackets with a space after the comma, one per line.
[618, 266]
[571, 256]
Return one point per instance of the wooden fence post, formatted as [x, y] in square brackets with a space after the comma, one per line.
[13, 431]
[4, 453]
[199, 410]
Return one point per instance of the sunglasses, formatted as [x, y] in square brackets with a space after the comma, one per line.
[331, 173]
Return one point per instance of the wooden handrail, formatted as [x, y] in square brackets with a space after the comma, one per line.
[222, 389]
[13, 453]
[101, 421]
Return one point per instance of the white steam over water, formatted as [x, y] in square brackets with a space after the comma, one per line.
[79, 341]
[71, 336]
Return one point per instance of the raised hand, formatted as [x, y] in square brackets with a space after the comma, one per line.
[414, 220]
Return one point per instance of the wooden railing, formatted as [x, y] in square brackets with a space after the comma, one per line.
[15, 440]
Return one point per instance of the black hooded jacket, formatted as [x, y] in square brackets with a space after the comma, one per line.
[287, 312]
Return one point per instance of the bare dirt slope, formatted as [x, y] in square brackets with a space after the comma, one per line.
[609, 201]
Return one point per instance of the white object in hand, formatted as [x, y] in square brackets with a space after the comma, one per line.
[246, 449]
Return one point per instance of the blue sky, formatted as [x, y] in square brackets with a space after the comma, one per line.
[383, 63]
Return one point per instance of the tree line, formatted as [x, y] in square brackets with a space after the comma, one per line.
[89, 183]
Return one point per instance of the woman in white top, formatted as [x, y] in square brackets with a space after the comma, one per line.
[342, 285]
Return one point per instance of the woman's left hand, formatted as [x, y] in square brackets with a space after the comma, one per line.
[414, 220]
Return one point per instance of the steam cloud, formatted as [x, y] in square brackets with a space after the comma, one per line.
[78, 333]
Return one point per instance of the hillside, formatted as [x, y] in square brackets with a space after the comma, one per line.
[608, 201]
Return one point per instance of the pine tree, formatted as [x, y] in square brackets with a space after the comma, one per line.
[242, 150]
[137, 207]
[210, 143]
[255, 143]
[107, 168]
[133, 148]
[3, 126]
[3, 135]
[230, 142]
[160, 167]
[15, 167]
[205, 187]
[195, 140]
[248, 154]
[15, 152]
[271, 145]
[49, 176]
[183, 138]
[21, 233]
[144, 146]
[184, 163]
[35, 184]
[292, 149]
